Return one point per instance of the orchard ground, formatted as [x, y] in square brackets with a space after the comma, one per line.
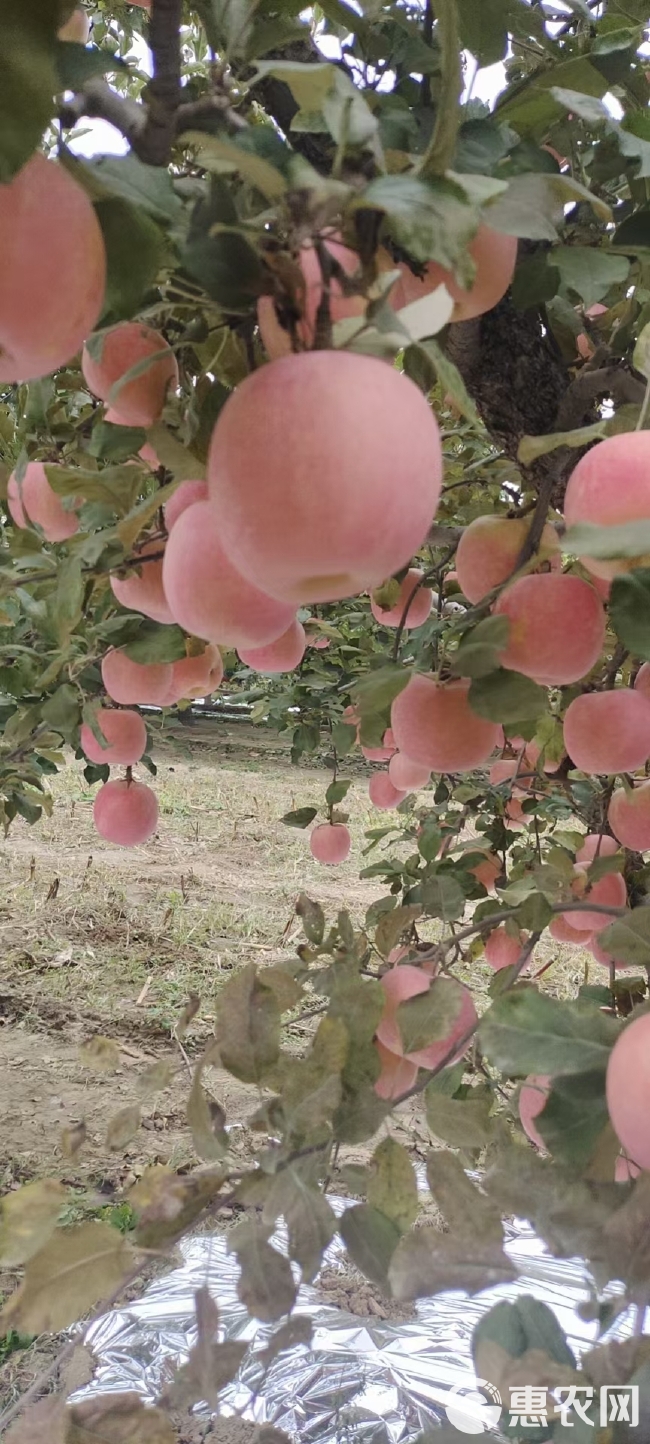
[100, 940]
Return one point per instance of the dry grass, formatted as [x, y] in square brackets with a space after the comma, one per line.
[214, 888]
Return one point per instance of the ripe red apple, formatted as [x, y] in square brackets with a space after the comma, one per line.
[405, 981]
[488, 550]
[52, 272]
[495, 257]
[434, 724]
[557, 627]
[146, 683]
[125, 812]
[330, 842]
[206, 594]
[419, 608]
[607, 732]
[32, 499]
[142, 589]
[110, 355]
[283, 655]
[324, 473]
[383, 794]
[628, 1089]
[125, 734]
[611, 485]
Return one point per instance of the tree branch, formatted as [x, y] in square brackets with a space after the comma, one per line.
[163, 94]
[98, 100]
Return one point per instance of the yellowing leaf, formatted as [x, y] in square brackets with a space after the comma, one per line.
[393, 1188]
[76, 1268]
[27, 1218]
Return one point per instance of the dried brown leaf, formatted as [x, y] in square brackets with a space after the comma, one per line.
[155, 1078]
[211, 1365]
[118, 1419]
[101, 1054]
[44, 1423]
[206, 1120]
[122, 1126]
[189, 1012]
[72, 1138]
[166, 1203]
[265, 1286]
[248, 1026]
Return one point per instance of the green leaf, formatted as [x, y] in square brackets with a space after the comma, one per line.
[370, 1239]
[349, 118]
[505, 696]
[337, 791]
[589, 271]
[63, 710]
[574, 1117]
[156, 642]
[449, 379]
[248, 1026]
[68, 598]
[148, 187]
[75, 64]
[532, 107]
[301, 817]
[629, 606]
[309, 84]
[391, 926]
[641, 354]
[219, 153]
[374, 694]
[429, 1017]
[462, 1123]
[443, 897]
[533, 205]
[629, 539]
[178, 459]
[484, 28]
[392, 1184]
[529, 1032]
[431, 219]
[429, 1262]
[532, 447]
[628, 938]
[115, 443]
[134, 249]
[478, 653]
[343, 738]
[221, 257]
[28, 79]
[512, 1331]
